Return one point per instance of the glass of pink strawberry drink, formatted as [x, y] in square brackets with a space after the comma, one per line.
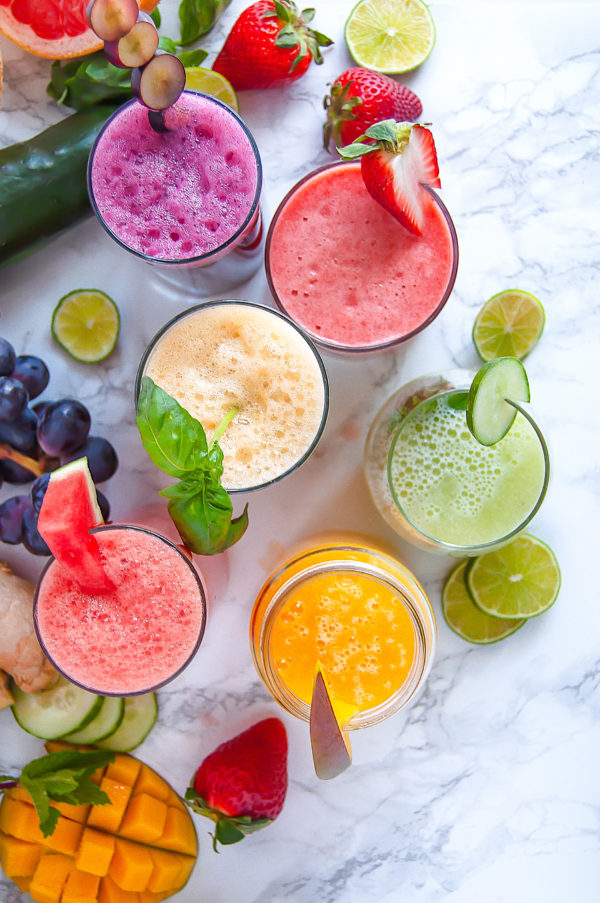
[185, 199]
[353, 277]
[119, 610]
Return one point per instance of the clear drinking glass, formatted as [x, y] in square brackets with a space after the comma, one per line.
[451, 494]
[347, 272]
[221, 354]
[135, 638]
[352, 570]
[149, 191]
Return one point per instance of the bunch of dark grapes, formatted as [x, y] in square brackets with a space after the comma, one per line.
[36, 439]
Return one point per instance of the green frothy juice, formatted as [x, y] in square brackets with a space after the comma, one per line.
[455, 490]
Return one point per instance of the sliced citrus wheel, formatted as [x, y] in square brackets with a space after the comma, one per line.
[86, 324]
[54, 29]
[464, 618]
[390, 36]
[509, 324]
[520, 580]
[213, 83]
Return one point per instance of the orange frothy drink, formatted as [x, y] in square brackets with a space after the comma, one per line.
[359, 613]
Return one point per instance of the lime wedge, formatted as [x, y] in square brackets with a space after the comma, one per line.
[390, 36]
[521, 580]
[509, 324]
[489, 412]
[86, 324]
[464, 618]
[213, 83]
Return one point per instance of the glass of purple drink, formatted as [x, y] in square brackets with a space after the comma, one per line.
[186, 199]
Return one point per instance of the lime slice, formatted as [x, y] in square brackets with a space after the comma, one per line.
[390, 36]
[508, 325]
[86, 324]
[213, 83]
[520, 580]
[489, 412]
[464, 618]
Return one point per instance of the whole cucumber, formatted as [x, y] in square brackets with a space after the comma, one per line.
[43, 182]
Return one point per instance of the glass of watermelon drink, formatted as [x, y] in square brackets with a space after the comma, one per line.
[119, 610]
[436, 485]
[187, 199]
[347, 272]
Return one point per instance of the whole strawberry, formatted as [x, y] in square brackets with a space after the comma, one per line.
[396, 160]
[359, 98]
[241, 786]
[270, 45]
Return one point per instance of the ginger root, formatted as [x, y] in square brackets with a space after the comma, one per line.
[20, 653]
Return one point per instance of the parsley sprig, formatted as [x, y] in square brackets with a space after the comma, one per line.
[63, 777]
[199, 506]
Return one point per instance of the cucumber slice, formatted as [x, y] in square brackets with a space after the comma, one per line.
[58, 710]
[140, 717]
[104, 724]
[490, 413]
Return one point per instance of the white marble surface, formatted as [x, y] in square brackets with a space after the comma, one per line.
[487, 789]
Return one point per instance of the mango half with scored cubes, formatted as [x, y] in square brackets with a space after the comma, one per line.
[140, 848]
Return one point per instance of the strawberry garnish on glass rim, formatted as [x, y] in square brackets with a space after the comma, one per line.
[397, 160]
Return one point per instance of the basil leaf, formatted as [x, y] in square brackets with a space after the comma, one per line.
[197, 17]
[87, 81]
[191, 58]
[202, 516]
[174, 440]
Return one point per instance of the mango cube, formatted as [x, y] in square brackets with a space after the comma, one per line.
[18, 857]
[49, 877]
[145, 819]
[95, 852]
[131, 865]
[108, 818]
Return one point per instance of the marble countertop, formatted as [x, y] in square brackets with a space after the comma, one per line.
[488, 788]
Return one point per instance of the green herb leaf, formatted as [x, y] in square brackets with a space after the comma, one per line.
[168, 44]
[156, 17]
[354, 150]
[64, 777]
[174, 439]
[197, 17]
[198, 505]
[191, 58]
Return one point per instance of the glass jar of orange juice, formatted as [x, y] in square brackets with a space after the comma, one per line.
[360, 614]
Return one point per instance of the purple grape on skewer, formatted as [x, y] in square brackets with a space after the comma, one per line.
[13, 398]
[32, 372]
[7, 358]
[111, 19]
[136, 47]
[160, 82]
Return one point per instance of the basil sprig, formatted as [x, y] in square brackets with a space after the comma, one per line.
[198, 505]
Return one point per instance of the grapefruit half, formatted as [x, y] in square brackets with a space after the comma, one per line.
[55, 29]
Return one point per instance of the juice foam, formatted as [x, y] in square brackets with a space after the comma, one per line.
[177, 194]
[234, 354]
[360, 631]
[347, 271]
[131, 640]
[456, 490]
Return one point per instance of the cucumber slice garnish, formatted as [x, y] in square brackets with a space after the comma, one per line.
[140, 717]
[490, 413]
[58, 710]
[104, 724]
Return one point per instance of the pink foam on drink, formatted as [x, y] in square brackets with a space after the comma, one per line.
[135, 638]
[347, 272]
[177, 194]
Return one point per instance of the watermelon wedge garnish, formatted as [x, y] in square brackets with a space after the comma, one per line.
[69, 511]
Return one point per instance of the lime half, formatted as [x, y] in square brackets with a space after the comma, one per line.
[390, 36]
[521, 580]
[86, 324]
[464, 618]
[509, 324]
[213, 83]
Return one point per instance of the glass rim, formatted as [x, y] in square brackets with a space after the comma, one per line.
[203, 596]
[469, 548]
[276, 313]
[416, 606]
[198, 258]
[389, 343]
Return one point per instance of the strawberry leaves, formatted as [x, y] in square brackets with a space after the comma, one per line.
[198, 504]
[228, 828]
[64, 777]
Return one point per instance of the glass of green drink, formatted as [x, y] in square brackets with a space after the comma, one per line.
[436, 485]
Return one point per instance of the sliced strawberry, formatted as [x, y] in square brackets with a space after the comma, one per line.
[400, 159]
